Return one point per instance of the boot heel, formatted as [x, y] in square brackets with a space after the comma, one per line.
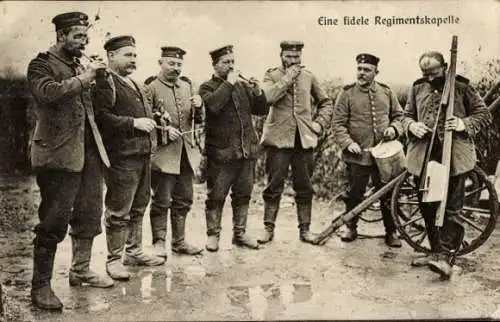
[75, 280]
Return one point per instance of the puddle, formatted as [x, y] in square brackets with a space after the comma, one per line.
[148, 285]
[88, 301]
[266, 301]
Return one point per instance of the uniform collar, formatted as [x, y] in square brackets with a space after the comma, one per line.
[63, 56]
[371, 88]
[218, 78]
[167, 83]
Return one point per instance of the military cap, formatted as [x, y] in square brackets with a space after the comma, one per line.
[291, 45]
[367, 59]
[119, 42]
[171, 51]
[219, 52]
[69, 19]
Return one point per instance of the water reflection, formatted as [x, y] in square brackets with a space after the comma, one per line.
[266, 301]
[153, 284]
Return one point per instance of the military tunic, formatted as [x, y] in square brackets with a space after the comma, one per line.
[423, 103]
[174, 99]
[67, 151]
[291, 109]
[362, 115]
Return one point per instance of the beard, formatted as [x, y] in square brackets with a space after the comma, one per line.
[74, 51]
[438, 82]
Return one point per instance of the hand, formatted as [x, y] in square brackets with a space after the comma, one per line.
[316, 127]
[144, 124]
[254, 83]
[454, 124]
[173, 133]
[196, 101]
[419, 129]
[354, 148]
[92, 68]
[232, 77]
[390, 133]
[293, 71]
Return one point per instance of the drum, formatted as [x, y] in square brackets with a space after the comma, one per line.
[390, 159]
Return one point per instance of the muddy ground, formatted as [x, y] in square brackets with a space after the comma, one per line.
[286, 279]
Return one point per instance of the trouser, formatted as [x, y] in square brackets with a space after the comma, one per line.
[170, 191]
[70, 198]
[128, 183]
[278, 161]
[237, 175]
[449, 236]
[358, 177]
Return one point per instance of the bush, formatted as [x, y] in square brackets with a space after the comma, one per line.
[17, 121]
[487, 142]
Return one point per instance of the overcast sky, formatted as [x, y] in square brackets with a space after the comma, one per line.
[256, 29]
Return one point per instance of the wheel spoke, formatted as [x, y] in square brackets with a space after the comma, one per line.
[408, 203]
[470, 193]
[414, 220]
[418, 233]
[478, 210]
[470, 222]
[423, 237]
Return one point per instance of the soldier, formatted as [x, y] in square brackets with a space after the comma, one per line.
[231, 145]
[174, 162]
[68, 155]
[290, 134]
[366, 113]
[126, 123]
[470, 117]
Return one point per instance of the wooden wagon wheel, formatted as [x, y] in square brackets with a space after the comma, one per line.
[478, 216]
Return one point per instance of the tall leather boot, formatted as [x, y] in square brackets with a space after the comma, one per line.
[391, 236]
[350, 232]
[134, 254]
[240, 237]
[433, 236]
[115, 238]
[304, 217]
[452, 235]
[80, 272]
[270, 213]
[42, 295]
[213, 219]
[159, 218]
[179, 244]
